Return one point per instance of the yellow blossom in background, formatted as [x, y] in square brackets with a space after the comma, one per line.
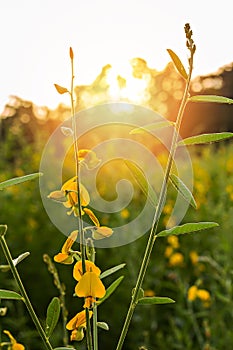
[193, 257]
[203, 294]
[90, 267]
[229, 190]
[149, 293]
[173, 241]
[125, 213]
[65, 257]
[167, 209]
[176, 259]
[168, 251]
[229, 165]
[192, 293]
[14, 344]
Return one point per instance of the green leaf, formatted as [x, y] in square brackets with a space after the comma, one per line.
[141, 181]
[103, 325]
[155, 300]
[110, 290]
[151, 127]
[53, 313]
[3, 229]
[111, 271]
[9, 294]
[178, 64]
[211, 98]
[187, 228]
[205, 138]
[18, 180]
[183, 190]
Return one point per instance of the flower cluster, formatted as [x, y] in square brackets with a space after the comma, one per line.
[195, 293]
[89, 285]
[175, 258]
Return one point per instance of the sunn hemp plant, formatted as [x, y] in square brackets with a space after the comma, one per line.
[75, 198]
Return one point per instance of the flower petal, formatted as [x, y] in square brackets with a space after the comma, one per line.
[90, 266]
[90, 285]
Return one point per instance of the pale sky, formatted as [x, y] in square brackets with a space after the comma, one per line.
[36, 36]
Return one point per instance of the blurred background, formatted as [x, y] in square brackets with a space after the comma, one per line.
[203, 260]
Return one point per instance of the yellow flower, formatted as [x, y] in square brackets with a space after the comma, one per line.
[192, 293]
[14, 344]
[68, 195]
[92, 216]
[149, 293]
[88, 158]
[77, 324]
[90, 267]
[66, 257]
[168, 251]
[125, 213]
[193, 257]
[176, 259]
[173, 241]
[101, 232]
[90, 287]
[203, 294]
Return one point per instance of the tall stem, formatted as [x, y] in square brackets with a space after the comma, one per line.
[75, 142]
[23, 292]
[158, 211]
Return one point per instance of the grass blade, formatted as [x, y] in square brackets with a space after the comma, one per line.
[211, 98]
[178, 64]
[18, 180]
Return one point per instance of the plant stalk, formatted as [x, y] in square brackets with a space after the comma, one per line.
[23, 292]
[158, 211]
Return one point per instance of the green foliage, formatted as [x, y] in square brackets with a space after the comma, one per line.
[187, 228]
[53, 313]
[9, 294]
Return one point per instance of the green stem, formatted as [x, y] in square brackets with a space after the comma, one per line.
[88, 334]
[23, 292]
[75, 141]
[159, 208]
[95, 330]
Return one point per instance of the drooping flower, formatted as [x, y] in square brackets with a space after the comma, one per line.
[14, 344]
[89, 284]
[77, 324]
[68, 195]
[66, 257]
[101, 232]
[90, 287]
[89, 265]
[89, 158]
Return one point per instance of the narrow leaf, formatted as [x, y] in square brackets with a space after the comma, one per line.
[103, 325]
[205, 138]
[110, 290]
[20, 258]
[53, 313]
[187, 228]
[178, 64]
[155, 300]
[60, 89]
[141, 181]
[9, 294]
[112, 270]
[3, 229]
[183, 189]
[151, 127]
[18, 180]
[211, 98]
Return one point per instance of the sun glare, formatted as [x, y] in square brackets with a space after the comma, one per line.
[123, 85]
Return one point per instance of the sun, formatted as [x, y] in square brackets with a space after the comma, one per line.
[123, 85]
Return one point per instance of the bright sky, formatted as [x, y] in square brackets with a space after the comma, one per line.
[36, 36]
